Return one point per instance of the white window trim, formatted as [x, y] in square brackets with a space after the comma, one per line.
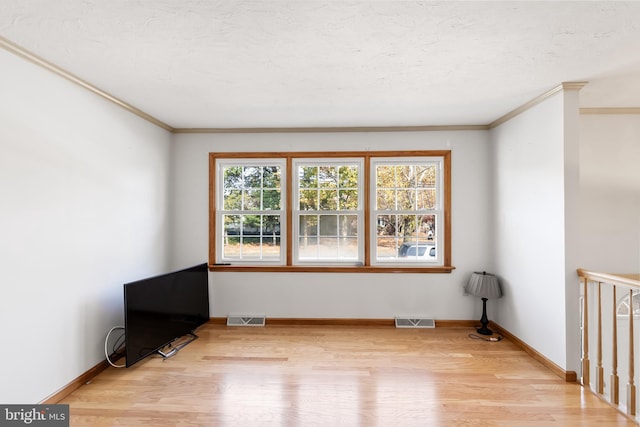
[296, 212]
[220, 212]
[438, 210]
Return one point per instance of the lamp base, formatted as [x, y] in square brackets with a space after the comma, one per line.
[484, 331]
[484, 320]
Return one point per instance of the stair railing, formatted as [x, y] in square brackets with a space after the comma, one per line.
[610, 308]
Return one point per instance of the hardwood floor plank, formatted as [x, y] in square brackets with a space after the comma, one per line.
[324, 375]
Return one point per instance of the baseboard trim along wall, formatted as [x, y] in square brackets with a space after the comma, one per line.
[292, 321]
[569, 376]
[75, 384]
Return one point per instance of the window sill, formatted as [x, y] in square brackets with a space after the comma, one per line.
[332, 269]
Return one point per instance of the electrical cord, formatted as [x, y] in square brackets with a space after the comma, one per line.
[491, 339]
[115, 346]
[118, 345]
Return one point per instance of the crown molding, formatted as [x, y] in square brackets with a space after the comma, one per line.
[573, 85]
[566, 86]
[328, 129]
[25, 54]
[35, 59]
[611, 110]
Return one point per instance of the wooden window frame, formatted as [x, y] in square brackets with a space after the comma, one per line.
[367, 266]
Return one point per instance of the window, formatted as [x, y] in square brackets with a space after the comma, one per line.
[327, 211]
[624, 307]
[345, 211]
[407, 207]
[251, 215]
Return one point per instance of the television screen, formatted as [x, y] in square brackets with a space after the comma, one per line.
[161, 309]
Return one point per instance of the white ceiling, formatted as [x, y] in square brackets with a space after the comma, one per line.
[238, 63]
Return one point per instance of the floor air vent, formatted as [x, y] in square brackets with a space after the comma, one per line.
[236, 320]
[415, 322]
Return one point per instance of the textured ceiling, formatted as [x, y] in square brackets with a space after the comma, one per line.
[203, 63]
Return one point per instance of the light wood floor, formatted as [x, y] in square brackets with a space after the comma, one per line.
[338, 376]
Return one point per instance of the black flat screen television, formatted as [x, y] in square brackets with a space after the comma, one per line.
[162, 309]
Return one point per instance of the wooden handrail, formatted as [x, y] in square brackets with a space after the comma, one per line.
[630, 280]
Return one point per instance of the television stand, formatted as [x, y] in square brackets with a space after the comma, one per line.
[173, 350]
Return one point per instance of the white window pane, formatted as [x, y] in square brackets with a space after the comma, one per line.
[426, 199]
[252, 176]
[308, 225]
[348, 248]
[271, 177]
[232, 200]
[251, 199]
[426, 176]
[271, 199]
[406, 199]
[308, 176]
[328, 225]
[324, 189]
[308, 247]
[327, 177]
[251, 236]
[348, 176]
[232, 177]
[386, 199]
[328, 248]
[348, 225]
[328, 200]
[347, 200]
[387, 247]
[406, 207]
[308, 200]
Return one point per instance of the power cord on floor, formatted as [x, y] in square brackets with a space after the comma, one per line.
[491, 339]
[115, 348]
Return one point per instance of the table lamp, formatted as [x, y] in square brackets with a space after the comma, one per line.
[485, 286]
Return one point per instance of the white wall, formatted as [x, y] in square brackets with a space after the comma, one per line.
[335, 295]
[610, 227]
[610, 193]
[84, 193]
[535, 181]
